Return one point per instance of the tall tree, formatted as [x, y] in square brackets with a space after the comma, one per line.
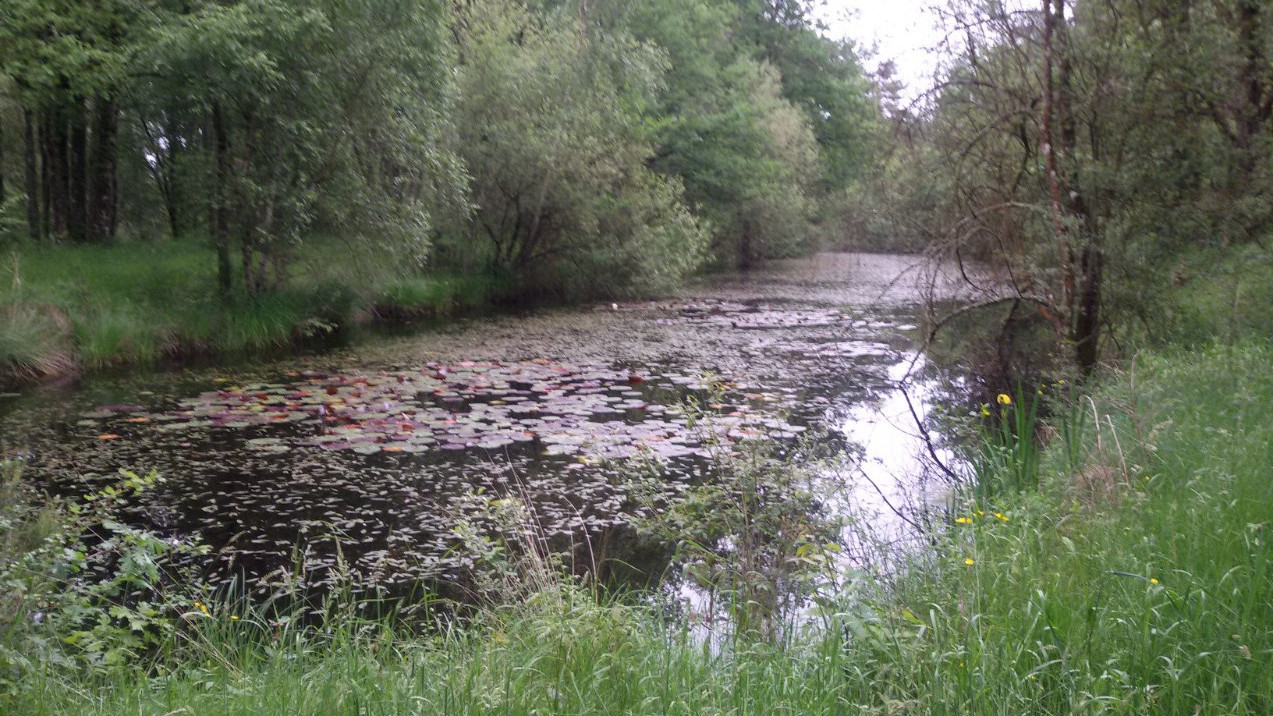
[67, 59]
[320, 116]
[553, 131]
[1091, 145]
[747, 156]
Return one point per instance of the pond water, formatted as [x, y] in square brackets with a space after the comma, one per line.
[366, 460]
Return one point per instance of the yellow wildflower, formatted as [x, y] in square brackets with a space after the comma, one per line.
[1153, 580]
[963, 521]
[1001, 517]
[1004, 399]
[970, 561]
[234, 618]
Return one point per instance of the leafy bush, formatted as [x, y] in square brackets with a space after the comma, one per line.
[85, 592]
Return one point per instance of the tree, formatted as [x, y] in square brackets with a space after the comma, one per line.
[747, 157]
[67, 61]
[552, 130]
[308, 116]
[823, 78]
[1093, 145]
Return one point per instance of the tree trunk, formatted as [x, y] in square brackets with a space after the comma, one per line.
[1047, 144]
[56, 170]
[245, 257]
[218, 227]
[77, 173]
[1256, 108]
[32, 174]
[1087, 323]
[103, 186]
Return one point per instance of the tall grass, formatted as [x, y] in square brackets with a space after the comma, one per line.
[1006, 458]
[100, 307]
[1139, 584]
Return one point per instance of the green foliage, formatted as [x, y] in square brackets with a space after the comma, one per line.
[824, 80]
[72, 307]
[331, 115]
[583, 148]
[755, 534]
[1135, 583]
[1093, 165]
[33, 342]
[1006, 458]
[52, 48]
[749, 157]
[85, 593]
[551, 128]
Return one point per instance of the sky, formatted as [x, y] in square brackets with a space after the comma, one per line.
[901, 30]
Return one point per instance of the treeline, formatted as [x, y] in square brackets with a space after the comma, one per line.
[582, 146]
[1103, 156]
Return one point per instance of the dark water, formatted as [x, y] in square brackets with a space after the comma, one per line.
[373, 457]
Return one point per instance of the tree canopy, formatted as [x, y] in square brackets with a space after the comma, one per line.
[559, 141]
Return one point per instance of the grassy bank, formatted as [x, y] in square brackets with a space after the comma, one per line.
[67, 308]
[1136, 578]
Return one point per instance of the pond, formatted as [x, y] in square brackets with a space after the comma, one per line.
[365, 461]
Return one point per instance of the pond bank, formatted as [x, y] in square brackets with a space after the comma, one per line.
[74, 310]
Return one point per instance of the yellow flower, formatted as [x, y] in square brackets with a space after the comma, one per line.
[985, 410]
[1153, 580]
[963, 521]
[1001, 516]
[1004, 399]
[234, 618]
[970, 561]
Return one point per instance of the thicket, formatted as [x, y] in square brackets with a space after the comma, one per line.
[1091, 165]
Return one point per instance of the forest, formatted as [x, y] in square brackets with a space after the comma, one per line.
[596, 301]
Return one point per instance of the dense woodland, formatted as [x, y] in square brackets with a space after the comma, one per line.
[549, 139]
[1099, 154]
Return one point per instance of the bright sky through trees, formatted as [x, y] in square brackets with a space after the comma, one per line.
[901, 30]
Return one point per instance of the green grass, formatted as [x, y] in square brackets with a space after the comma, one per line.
[1140, 583]
[67, 307]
